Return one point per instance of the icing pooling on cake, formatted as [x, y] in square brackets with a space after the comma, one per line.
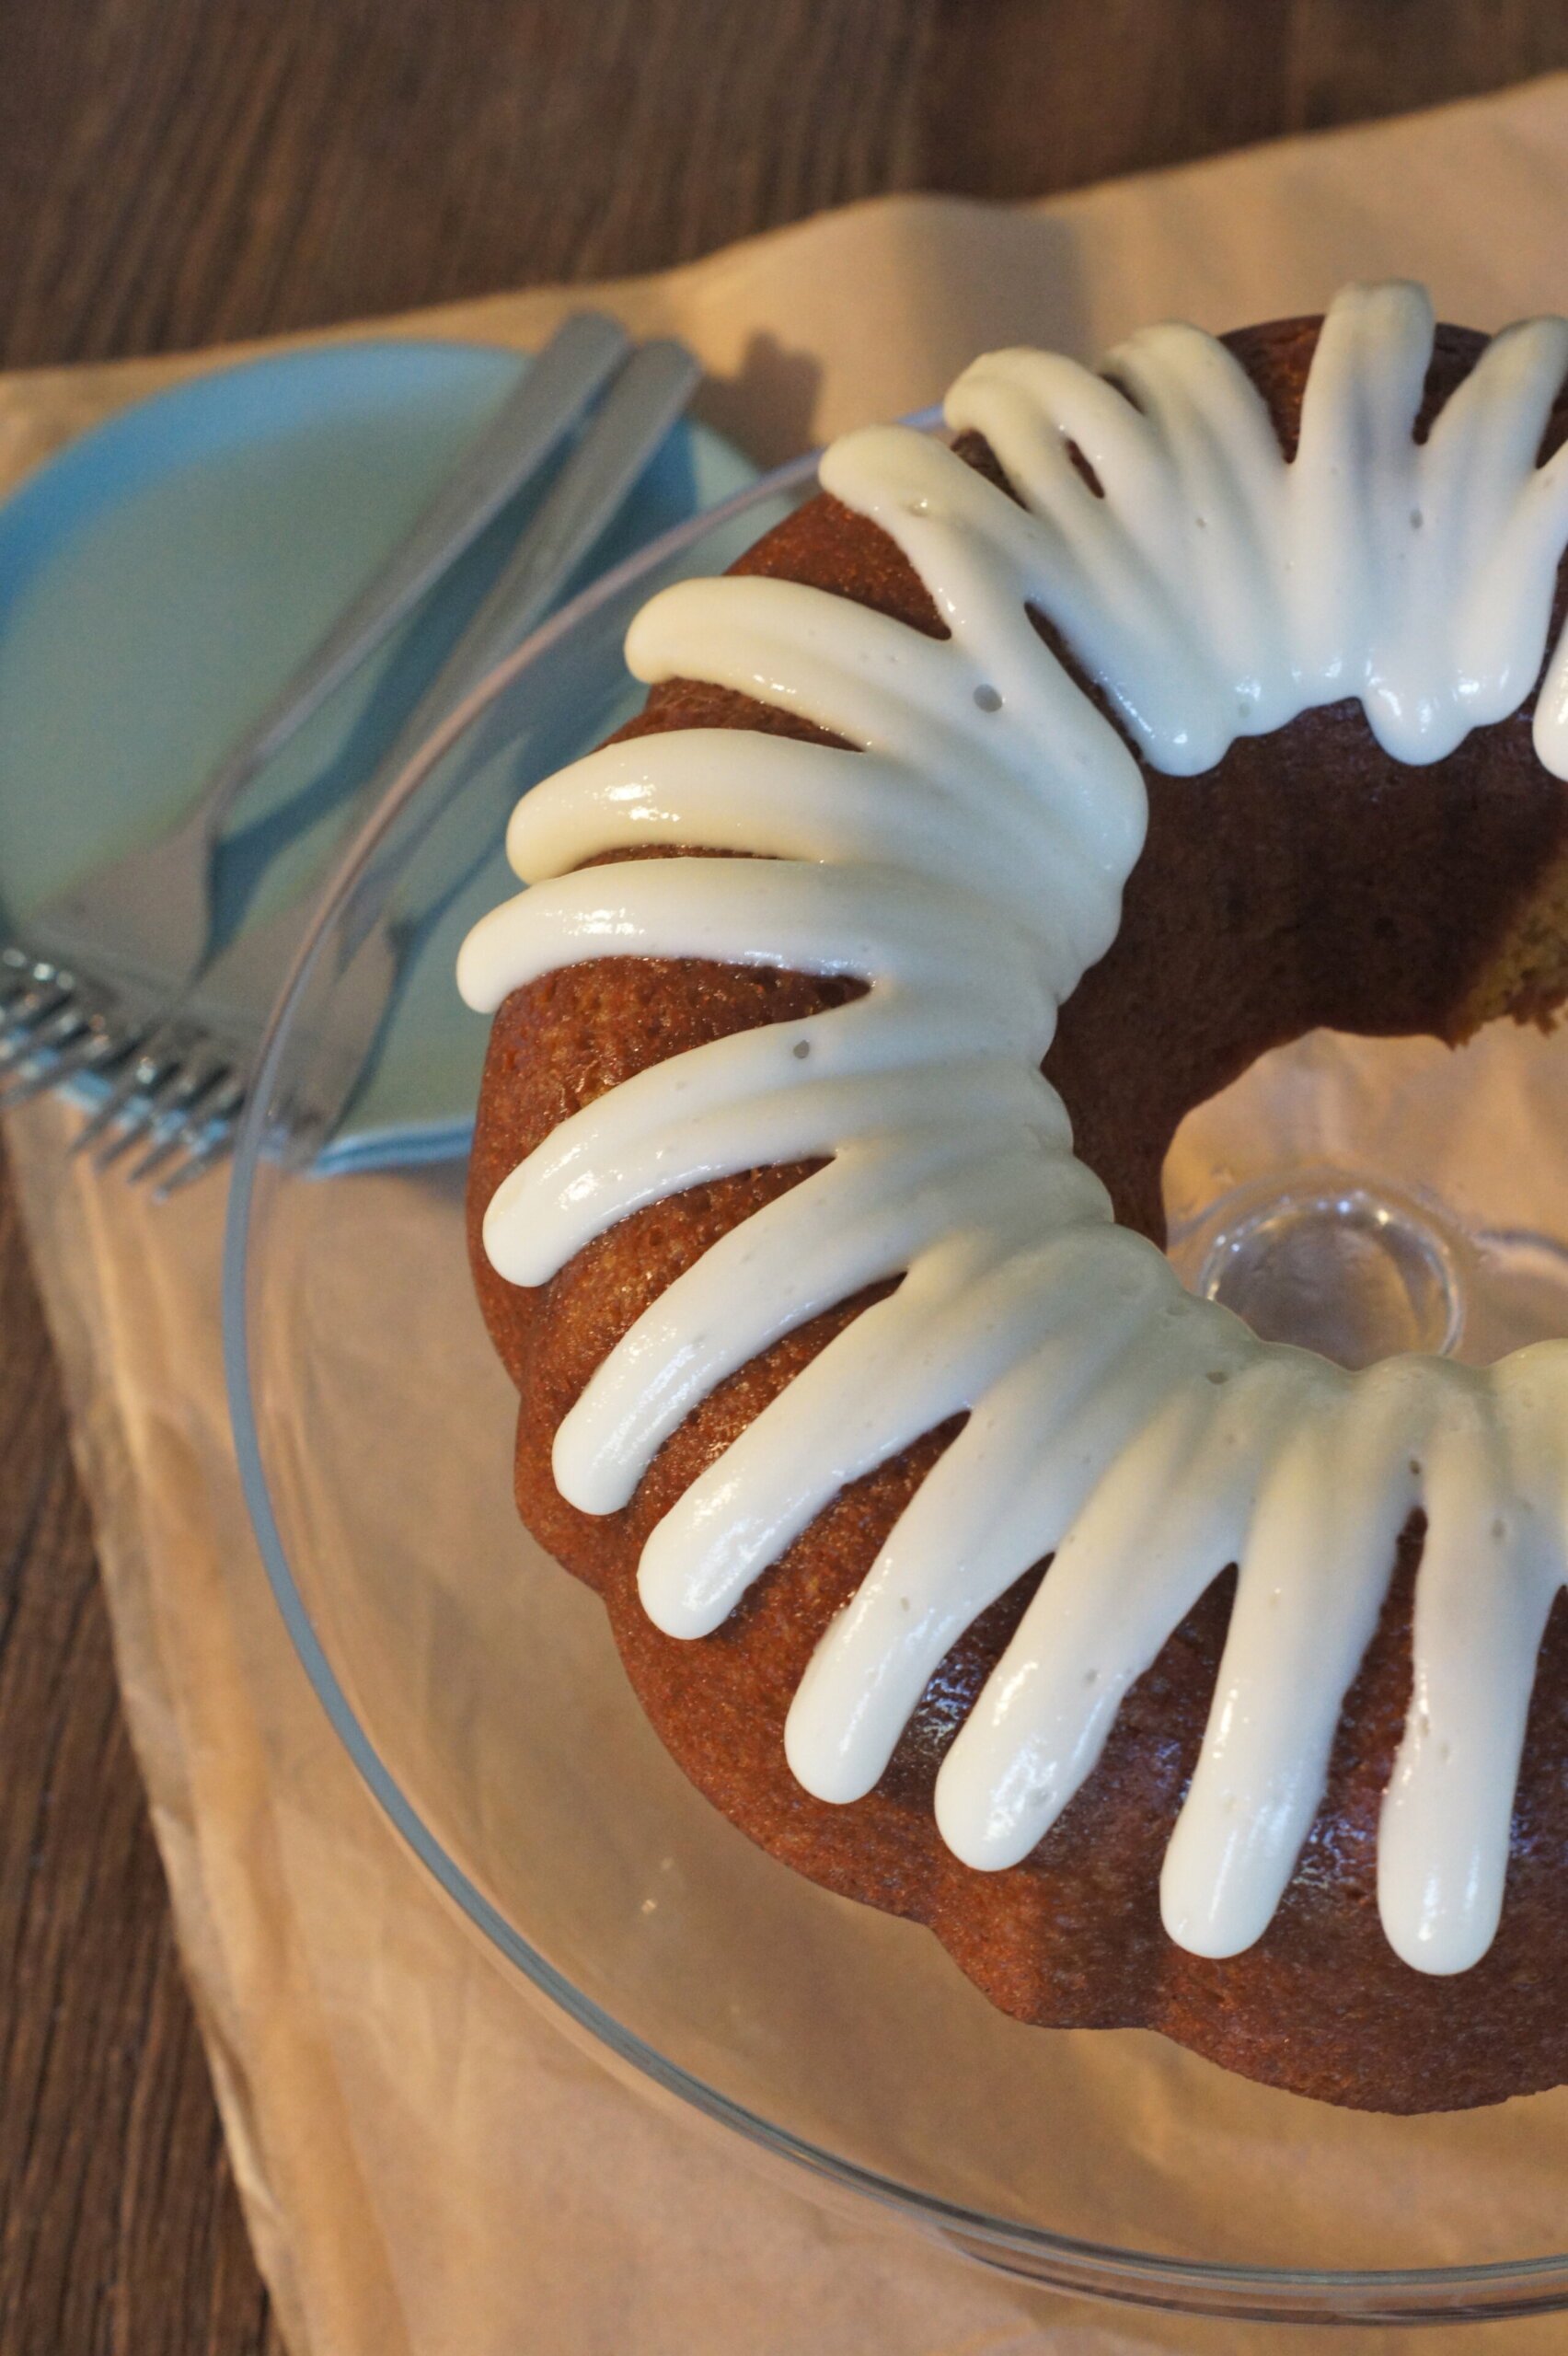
[967, 861]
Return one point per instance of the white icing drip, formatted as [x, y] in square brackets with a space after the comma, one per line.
[965, 859]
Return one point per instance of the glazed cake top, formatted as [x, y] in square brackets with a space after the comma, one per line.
[965, 857]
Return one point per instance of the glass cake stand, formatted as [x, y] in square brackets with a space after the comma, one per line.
[1361, 1195]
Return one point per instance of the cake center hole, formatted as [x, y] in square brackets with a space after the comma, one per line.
[1364, 1197]
[1336, 1267]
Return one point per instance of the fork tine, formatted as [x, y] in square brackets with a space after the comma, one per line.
[200, 1161]
[180, 1118]
[98, 1124]
[153, 1103]
[191, 1072]
[73, 1041]
[59, 1028]
[119, 1142]
[48, 1038]
[206, 1136]
[37, 1005]
[102, 1043]
[31, 1084]
[136, 1119]
[185, 1174]
[140, 1076]
[35, 1078]
[119, 1094]
[31, 1005]
[20, 973]
[170, 1141]
[198, 1072]
[17, 1045]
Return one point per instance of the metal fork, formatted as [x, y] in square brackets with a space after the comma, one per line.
[184, 1094]
[90, 971]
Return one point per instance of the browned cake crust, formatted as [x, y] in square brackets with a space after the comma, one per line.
[1307, 880]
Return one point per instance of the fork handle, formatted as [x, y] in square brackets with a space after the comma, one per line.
[551, 395]
[637, 413]
[631, 423]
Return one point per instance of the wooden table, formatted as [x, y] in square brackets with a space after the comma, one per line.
[173, 172]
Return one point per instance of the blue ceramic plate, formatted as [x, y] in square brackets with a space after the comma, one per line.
[160, 579]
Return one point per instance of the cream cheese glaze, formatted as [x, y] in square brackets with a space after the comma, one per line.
[966, 860]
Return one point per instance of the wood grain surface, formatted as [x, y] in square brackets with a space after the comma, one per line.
[174, 172]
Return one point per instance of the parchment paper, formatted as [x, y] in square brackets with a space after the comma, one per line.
[427, 2167]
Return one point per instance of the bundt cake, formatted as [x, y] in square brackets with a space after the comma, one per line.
[1004, 803]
